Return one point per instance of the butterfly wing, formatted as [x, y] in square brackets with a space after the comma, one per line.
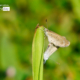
[57, 40]
[51, 49]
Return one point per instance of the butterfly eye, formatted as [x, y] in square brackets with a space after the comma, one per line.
[47, 30]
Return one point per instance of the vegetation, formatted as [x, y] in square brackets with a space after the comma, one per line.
[17, 28]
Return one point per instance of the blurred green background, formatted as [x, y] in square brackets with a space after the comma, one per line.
[17, 28]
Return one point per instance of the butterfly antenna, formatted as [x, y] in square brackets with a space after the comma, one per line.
[46, 24]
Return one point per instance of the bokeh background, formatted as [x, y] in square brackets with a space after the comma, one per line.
[17, 28]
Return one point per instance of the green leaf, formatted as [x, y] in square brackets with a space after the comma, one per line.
[37, 53]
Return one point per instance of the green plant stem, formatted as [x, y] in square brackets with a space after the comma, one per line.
[37, 53]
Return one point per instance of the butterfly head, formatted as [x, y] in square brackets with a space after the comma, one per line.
[45, 31]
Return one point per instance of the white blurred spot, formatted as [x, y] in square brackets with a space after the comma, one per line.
[11, 71]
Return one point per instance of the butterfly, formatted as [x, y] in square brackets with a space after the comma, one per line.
[55, 41]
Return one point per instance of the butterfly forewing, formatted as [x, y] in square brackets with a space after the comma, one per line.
[56, 39]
